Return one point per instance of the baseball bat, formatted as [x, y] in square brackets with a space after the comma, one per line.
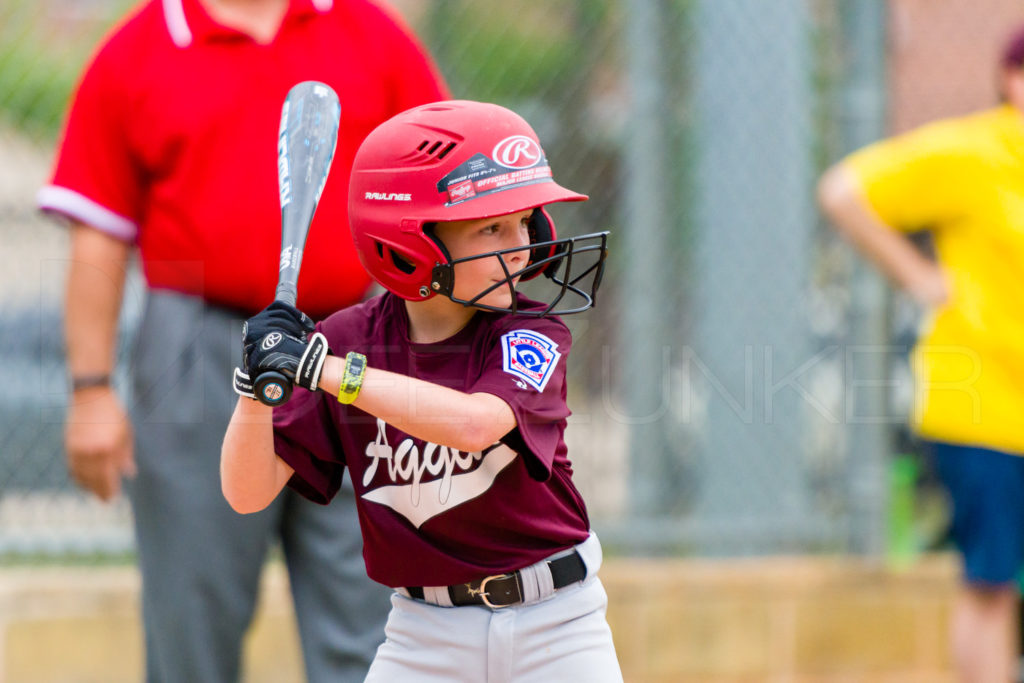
[305, 147]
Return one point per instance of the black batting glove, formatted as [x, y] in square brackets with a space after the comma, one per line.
[277, 317]
[276, 351]
[311, 362]
[242, 384]
[301, 362]
[275, 339]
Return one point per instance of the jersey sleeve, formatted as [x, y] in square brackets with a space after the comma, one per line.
[96, 178]
[527, 369]
[305, 437]
[914, 181]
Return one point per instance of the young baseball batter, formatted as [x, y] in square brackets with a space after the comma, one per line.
[446, 399]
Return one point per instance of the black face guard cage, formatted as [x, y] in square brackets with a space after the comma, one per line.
[557, 267]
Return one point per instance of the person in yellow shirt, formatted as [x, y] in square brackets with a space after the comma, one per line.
[961, 179]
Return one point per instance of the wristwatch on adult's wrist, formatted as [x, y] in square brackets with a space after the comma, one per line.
[80, 382]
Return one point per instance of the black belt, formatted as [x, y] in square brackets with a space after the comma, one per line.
[502, 590]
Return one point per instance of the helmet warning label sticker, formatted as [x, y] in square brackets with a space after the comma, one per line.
[482, 175]
[529, 356]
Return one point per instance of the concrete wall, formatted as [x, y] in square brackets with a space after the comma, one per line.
[792, 620]
[943, 56]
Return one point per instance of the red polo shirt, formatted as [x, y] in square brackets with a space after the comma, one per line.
[171, 142]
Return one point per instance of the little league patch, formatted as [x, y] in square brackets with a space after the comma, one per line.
[530, 356]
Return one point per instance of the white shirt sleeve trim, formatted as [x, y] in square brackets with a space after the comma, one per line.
[54, 199]
[323, 5]
[177, 26]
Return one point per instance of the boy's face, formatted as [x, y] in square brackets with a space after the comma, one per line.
[483, 235]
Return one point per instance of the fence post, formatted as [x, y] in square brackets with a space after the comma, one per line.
[644, 337]
[755, 225]
[862, 117]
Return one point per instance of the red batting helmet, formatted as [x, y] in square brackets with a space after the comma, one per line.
[452, 161]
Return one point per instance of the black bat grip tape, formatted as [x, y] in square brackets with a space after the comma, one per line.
[272, 388]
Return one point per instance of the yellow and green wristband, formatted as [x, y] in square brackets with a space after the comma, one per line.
[352, 377]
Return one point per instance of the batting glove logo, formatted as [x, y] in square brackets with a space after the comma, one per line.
[518, 151]
[271, 340]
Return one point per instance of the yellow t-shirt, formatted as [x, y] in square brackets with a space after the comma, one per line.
[963, 180]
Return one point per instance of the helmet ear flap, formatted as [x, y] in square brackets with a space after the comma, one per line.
[430, 234]
[397, 260]
[542, 229]
[397, 266]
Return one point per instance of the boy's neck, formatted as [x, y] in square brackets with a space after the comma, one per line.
[436, 319]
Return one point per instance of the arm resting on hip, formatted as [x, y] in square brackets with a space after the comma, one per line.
[843, 201]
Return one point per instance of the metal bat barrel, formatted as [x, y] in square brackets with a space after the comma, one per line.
[305, 147]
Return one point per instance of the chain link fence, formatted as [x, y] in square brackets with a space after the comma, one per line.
[741, 385]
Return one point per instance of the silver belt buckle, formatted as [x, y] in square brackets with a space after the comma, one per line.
[483, 589]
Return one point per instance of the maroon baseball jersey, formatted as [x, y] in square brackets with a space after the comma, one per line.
[430, 514]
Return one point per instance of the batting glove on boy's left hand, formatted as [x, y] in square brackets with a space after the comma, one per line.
[281, 353]
[275, 339]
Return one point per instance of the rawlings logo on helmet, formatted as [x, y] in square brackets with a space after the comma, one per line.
[389, 196]
[518, 151]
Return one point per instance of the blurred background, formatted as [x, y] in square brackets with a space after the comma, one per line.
[741, 388]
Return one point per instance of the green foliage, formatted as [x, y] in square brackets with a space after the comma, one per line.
[43, 46]
[494, 67]
[506, 51]
[33, 89]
